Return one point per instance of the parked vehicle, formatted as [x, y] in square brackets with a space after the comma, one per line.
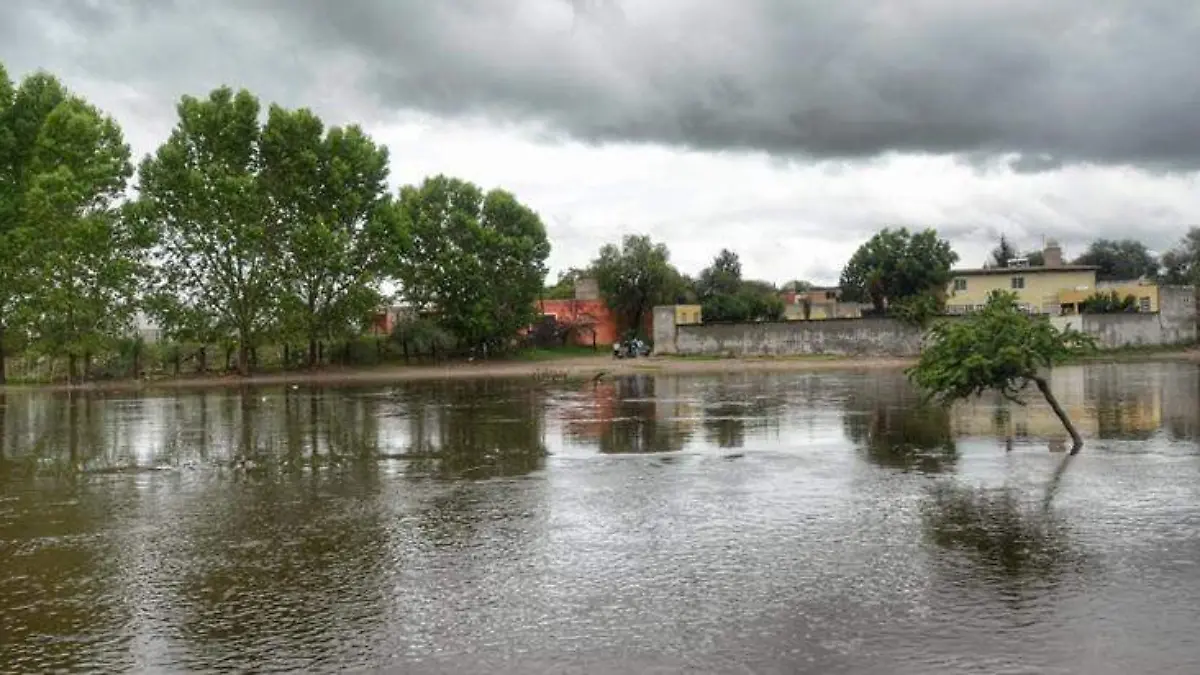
[630, 349]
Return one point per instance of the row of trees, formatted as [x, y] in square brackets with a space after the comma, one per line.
[1123, 259]
[244, 231]
[637, 274]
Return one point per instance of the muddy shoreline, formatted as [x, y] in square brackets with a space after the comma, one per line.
[564, 368]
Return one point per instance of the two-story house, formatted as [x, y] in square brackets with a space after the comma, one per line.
[1052, 288]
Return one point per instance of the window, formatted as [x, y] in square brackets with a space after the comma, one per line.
[1144, 304]
[1018, 283]
[831, 295]
[960, 284]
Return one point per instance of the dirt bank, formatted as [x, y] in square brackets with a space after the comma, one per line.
[566, 367]
[569, 367]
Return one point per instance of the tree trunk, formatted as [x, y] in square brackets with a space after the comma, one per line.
[1044, 387]
[202, 358]
[72, 368]
[3, 355]
[176, 357]
[87, 366]
[313, 354]
[254, 358]
[137, 360]
[320, 351]
[228, 359]
[243, 362]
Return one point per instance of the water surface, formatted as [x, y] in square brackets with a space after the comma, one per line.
[744, 523]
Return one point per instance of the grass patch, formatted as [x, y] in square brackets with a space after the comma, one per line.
[557, 353]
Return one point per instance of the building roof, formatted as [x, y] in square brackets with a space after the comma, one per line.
[1021, 270]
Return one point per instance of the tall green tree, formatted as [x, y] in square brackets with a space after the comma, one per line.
[1121, 260]
[68, 264]
[1003, 253]
[896, 265]
[327, 194]
[98, 260]
[1181, 264]
[219, 247]
[636, 276]
[475, 260]
[1000, 348]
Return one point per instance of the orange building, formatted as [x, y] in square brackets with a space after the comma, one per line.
[591, 320]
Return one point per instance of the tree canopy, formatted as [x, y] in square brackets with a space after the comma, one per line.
[896, 266]
[1003, 254]
[1181, 264]
[327, 191]
[1122, 260]
[725, 296]
[636, 276]
[475, 260]
[219, 243]
[999, 348]
[69, 263]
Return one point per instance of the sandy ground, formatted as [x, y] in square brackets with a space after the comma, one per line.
[565, 368]
[568, 367]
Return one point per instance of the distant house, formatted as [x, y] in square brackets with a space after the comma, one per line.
[1053, 288]
[385, 319]
[818, 303]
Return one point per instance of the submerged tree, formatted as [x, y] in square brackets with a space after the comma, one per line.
[999, 348]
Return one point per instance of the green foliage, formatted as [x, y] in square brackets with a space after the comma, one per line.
[1003, 253]
[1181, 264]
[69, 264]
[725, 296]
[421, 337]
[1122, 260]
[218, 243]
[998, 348]
[636, 276]
[477, 260]
[564, 288]
[918, 310]
[327, 192]
[895, 265]
[1108, 303]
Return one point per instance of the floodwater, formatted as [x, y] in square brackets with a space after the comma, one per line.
[744, 523]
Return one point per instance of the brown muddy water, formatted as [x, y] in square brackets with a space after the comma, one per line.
[744, 523]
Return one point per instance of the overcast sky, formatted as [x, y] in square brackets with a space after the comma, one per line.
[787, 130]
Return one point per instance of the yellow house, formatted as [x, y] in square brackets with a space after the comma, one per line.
[687, 315]
[1039, 289]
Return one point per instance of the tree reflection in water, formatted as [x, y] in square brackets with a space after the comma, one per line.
[888, 421]
[1000, 531]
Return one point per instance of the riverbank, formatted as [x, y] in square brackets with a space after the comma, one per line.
[561, 368]
[569, 367]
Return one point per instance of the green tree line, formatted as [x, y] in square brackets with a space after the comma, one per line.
[245, 228]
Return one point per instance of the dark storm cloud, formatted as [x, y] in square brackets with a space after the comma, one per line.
[1051, 83]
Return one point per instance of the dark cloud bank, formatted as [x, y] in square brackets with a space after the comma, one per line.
[1066, 81]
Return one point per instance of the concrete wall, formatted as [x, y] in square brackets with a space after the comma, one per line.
[1174, 324]
[662, 333]
[842, 337]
